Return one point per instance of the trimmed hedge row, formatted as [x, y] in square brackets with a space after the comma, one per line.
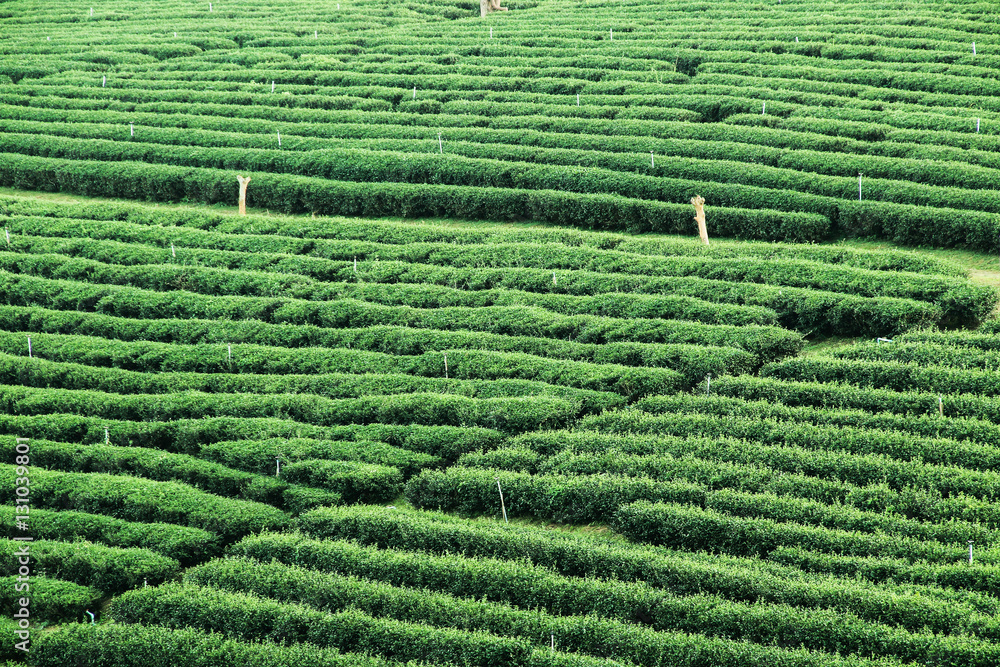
[139, 223]
[217, 272]
[189, 435]
[297, 194]
[818, 302]
[586, 634]
[248, 617]
[953, 441]
[137, 499]
[922, 503]
[107, 569]
[768, 343]
[350, 480]
[848, 454]
[165, 467]
[968, 416]
[682, 573]
[136, 645]
[892, 375]
[184, 544]
[512, 415]
[982, 577]
[698, 528]
[392, 340]
[570, 498]
[258, 456]
[529, 587]
[50, 600]
[960, 299]
[39, 373]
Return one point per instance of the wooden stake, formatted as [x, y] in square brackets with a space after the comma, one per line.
[244, 182]
[503, 505]
[699, 216]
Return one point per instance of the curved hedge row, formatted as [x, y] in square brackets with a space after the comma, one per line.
[184, 544]
[248, 617]
[136, 499]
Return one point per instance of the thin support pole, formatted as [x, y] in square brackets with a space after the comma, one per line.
[503, 505]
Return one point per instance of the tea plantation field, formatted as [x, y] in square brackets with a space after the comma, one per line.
[370, 424]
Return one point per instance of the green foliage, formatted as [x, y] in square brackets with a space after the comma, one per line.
[50, 600]
[185, 544]
[107, 569]
[137, 499]
[248, 617]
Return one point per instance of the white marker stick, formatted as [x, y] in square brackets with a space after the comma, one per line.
[612, 32]
[104, 80]
[279, 139]
[272, 85]
[172, 251]
[107, 436]
[440, 145]
[503, 505]
[414, 92]
[29, 347]
[446, 365]
[7, 232]
[977, 126]
[651, 163]
[859, 187]
[131, 130]
[491, 33]
[229, 356]
[578, 99]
